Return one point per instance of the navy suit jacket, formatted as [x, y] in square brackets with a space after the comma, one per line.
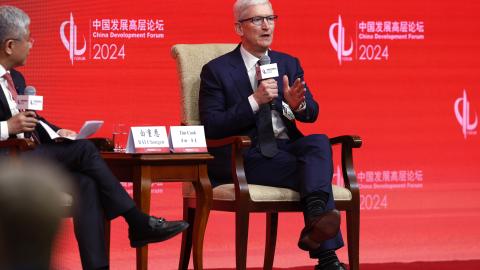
[225, 109]
[5, 113]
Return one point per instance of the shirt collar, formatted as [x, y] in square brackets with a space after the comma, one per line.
[249, 59]
[2, 71]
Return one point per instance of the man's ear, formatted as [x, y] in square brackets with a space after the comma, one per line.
[238, 29]
[8, 46]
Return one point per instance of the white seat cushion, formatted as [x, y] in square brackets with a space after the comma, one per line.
[260, 193]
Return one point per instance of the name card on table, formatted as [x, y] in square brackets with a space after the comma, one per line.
[187, 139]
[150, 139]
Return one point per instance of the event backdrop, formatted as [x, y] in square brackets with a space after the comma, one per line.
[404, 75]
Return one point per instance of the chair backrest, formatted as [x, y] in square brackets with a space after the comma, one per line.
[190, 60]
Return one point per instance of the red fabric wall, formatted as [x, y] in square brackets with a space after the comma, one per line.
[404, 87]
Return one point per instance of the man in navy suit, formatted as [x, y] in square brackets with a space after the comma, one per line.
[99, 191]
[232, 102]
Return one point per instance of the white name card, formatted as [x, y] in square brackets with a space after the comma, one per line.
[188, 139]
[149, 139]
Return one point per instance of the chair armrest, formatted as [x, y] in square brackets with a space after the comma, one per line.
[102, 144]
[353, 141]
[237, 143]
[348, 142]
[241, 141]
[17, 145]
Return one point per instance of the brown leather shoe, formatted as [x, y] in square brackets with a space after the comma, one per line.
[319, 229]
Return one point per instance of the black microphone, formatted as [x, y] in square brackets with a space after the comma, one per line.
[266, 70]
[29, 101]
[30, 91]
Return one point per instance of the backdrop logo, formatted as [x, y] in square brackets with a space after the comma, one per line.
[70, 43]
[337, 39]
[462, 112]
[372, 38]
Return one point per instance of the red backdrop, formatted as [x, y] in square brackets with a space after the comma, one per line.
[402, 74]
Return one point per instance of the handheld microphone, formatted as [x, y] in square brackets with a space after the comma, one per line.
[266, 70]
[29, 100]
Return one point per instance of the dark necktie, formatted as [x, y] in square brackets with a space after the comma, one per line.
[266, 138]
[11, 86]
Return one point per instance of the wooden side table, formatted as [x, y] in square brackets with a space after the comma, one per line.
[143, 169]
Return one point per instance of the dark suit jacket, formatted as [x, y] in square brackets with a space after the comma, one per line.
[225, 110]
[5, 113]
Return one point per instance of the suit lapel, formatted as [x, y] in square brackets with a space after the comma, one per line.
[281, 70]
[239, 74]
[6, 114]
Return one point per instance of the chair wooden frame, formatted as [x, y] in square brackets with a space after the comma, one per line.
[242, 204]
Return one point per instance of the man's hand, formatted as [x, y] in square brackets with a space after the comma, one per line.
[266, 91]
[294, 95]
[66, 133]
[22, 122]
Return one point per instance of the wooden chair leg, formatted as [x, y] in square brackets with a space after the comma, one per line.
[353, 231]
[241, 238]
[107, 238]
[186, 250]
[270, 240]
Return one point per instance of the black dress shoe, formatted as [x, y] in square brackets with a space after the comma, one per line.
[332, 266]
[319, 229]
[158, 230]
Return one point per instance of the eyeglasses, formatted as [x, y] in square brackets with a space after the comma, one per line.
[258, 20]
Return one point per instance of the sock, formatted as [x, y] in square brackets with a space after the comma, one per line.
[315, 203]
[326, 258]
[135, 218]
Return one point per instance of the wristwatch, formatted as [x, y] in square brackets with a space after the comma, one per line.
[302, 107]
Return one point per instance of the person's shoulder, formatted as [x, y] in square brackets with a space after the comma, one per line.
[282, 55]
[18, 80]
[224, 59]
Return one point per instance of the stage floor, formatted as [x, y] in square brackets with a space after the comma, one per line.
[379, 247]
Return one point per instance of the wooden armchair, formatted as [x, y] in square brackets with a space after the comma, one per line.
[243, 198]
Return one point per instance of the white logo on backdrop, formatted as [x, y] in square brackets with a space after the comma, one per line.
[462, 112]
[70, 43]
[338, 41]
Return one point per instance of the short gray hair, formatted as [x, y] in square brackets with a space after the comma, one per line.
[240, 6]
[13, 22]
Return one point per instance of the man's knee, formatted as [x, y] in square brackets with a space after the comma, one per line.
[86, 146]
[319, 140]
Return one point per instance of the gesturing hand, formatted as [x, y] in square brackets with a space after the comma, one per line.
[22, 122]
[266, 91]
[294, 95]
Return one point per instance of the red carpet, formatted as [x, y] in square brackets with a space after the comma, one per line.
[447, 265]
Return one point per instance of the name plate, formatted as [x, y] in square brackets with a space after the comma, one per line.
[150, 139]
[188, 139]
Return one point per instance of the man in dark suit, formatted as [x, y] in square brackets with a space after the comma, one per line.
[99, 192]
[233, 102]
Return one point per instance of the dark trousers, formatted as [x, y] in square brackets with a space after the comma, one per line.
[304, 165]
[98, 194]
